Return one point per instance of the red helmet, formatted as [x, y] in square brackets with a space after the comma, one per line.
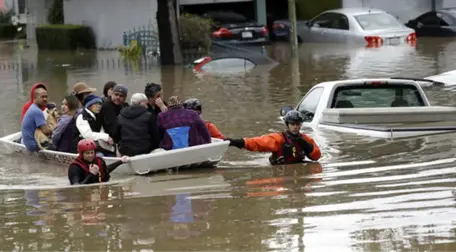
[86, 145]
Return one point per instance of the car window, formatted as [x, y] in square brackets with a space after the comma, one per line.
[331, 21]
[377, 21]
[309, 104]
[228, 64]
[445, 19]
[369, 96]
[429, 19]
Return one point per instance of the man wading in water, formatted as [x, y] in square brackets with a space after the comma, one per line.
[287, 147]
[88, 168]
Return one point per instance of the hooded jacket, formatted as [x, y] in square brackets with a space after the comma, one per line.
[136, 131]
[30, 102]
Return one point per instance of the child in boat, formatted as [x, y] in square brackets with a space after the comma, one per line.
[195, 104]
[87, 168]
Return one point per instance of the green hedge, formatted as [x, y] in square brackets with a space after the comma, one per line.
[65, 37]
[7, 31]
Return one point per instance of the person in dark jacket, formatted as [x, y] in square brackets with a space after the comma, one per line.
[154, 93]
[111, 109]
[181, 127]
[62, 136]
[87, 168]
[137, 131]
[107, 90]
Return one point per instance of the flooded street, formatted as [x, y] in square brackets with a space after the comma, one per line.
[365, 194]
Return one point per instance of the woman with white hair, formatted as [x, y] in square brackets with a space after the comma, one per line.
[137, 131]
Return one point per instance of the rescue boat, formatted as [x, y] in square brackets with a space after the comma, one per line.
[206, 155]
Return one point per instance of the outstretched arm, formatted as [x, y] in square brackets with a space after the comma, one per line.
[266, 143]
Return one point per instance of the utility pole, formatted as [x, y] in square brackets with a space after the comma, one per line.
[295, 78]
[433, 6]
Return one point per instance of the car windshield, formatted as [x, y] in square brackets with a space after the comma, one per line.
[377, 96]
[377, 21]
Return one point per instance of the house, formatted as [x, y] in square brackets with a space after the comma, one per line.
[110, 19]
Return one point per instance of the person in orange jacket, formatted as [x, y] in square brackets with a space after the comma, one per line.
[287, 147]
[195, 104]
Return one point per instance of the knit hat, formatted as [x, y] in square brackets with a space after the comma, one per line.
[92, 99]
[174, 101]
[120, 89]
[137, 98]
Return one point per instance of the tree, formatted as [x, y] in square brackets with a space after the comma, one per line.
[170, 51]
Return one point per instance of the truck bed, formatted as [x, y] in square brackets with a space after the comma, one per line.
[399, 127]
[389, 115]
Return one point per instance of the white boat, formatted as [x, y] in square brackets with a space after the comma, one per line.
[206, 155]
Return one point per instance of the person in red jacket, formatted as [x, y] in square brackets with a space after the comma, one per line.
[287, 147]
[30, 102]
[195, 104]
[87, 168]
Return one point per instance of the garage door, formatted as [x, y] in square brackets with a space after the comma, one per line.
[192, 2]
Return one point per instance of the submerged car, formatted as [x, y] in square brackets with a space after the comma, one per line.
[441, 23]
[232, 59]
[231, 27]
[372, 27]
[281, 28]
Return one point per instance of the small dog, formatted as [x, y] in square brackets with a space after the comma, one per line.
[53, 115]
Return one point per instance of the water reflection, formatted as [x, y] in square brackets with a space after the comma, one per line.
[396, 196]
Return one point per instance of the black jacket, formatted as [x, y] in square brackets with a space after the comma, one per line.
[108, 116]
[77, 175]
[137, 131]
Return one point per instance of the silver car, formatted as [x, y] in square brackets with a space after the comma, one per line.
[372, 27]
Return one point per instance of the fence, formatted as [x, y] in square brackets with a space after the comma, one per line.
[146, 36]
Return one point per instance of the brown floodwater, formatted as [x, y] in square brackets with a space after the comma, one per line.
[365, 194]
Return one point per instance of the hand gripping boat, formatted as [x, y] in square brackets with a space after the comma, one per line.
[206, 155]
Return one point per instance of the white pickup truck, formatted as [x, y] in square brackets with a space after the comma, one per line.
[384, 108]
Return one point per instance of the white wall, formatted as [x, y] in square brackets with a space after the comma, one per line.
[110, 18]
[37, 15]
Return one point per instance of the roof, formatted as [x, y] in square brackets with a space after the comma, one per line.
[356, 81]
[356, 11]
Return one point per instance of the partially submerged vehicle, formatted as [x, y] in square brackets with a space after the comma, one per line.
[232, 59]
[206, 155]
[384, 108]
[445, 78]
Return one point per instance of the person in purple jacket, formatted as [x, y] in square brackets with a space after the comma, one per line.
[180, 127]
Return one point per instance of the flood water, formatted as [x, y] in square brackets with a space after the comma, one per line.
[364, 195]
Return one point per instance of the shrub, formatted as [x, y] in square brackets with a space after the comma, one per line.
[65, 37]
[195, 32]
[7, 31]
[5, 17]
